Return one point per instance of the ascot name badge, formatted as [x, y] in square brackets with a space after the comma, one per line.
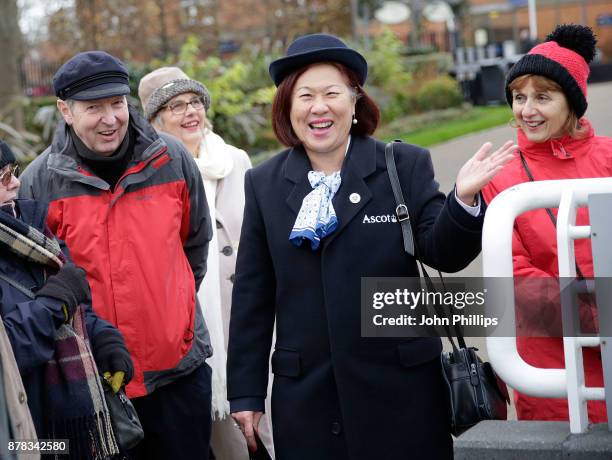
[380, 219]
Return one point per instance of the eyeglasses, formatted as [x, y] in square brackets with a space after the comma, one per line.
[7, 175]
[180, 107]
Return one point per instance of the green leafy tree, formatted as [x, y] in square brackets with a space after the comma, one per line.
[240, 89]
[388, 77]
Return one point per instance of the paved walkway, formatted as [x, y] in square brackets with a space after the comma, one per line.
[450, 156]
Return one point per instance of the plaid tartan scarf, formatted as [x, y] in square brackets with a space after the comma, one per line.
[29, 242]
[75, 401]
[75, 406]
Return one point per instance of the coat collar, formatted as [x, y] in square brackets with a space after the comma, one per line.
[148, 145]
[360, 162]
[563, 148]
[363, 163]
[32, 212]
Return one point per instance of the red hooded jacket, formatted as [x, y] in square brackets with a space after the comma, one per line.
[534, 249]
[143, 246]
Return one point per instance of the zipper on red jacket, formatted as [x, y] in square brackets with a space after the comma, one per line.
[135, 170]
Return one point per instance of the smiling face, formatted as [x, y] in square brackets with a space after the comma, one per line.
[322, 107]
[541, 112]
[187, 126]
[101, 124]
[8, 192]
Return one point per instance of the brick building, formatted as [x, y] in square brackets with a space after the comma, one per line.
[505, 20]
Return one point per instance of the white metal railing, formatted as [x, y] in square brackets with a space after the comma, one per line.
[567, 195]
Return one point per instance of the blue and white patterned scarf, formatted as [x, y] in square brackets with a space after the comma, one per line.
[317, 217]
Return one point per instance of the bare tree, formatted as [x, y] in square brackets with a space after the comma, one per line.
[10, 50]
[163, 30]
[88, 17]
[141, 29]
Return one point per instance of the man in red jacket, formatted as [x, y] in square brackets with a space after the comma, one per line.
[130, 204]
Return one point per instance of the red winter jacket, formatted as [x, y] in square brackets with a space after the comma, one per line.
[143, 246]
[534, 249]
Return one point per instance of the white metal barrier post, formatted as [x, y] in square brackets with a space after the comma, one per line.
[601, 239]
[573, 340]
[497, 262]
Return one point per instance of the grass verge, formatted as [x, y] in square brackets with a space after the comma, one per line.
[431, 130]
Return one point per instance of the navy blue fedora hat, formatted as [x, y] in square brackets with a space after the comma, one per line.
[318, 48]
[91, 75]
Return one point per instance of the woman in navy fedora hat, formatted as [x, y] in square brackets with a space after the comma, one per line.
[318, 217]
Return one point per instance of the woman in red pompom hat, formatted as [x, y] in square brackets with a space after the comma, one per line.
[547, 91]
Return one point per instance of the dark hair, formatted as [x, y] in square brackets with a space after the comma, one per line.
[366, 110]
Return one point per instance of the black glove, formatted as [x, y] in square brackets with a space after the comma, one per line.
[112, 355]
[69, 285]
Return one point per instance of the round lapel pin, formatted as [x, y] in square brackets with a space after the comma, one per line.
[354, 198]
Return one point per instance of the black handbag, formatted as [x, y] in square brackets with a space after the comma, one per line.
[476, 393]
[126, 424]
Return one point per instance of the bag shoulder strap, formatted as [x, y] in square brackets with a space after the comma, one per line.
[20, 287]
[401, 211]
[548, 210]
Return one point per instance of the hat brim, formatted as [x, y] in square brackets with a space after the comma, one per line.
[6, 155]
[284, 66]
[102, 92]
[164, 93]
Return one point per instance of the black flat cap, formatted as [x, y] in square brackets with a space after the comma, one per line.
[91, 75]
[7, 156]
[313, 48]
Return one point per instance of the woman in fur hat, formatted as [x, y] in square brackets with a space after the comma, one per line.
[177, 104]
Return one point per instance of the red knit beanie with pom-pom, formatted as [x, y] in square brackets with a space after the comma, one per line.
[564, 58]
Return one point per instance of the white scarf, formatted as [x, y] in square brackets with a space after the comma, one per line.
[317, 216]
[214, 164]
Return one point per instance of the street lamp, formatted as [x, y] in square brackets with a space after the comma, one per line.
[533, 20]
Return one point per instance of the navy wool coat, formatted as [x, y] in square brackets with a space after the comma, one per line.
[337, 395]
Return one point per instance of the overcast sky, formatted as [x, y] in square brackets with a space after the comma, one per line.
[34, 12]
